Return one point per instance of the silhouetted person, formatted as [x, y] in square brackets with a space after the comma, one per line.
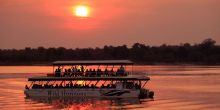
[82, 68]
[26, 87]
[106, 72]
[87, 73]
[56, 86]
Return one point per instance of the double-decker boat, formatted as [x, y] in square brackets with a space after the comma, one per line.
[99, 79]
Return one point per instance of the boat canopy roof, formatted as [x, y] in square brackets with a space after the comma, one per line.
[94, 62]
[140, 78]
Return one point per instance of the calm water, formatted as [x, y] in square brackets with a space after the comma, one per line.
[175, 87]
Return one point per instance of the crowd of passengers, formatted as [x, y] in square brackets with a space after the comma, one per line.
[74, 72]
[71, 85]
[39, 86]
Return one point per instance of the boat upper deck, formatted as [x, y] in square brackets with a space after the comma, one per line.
[127, 78]
[76, 73]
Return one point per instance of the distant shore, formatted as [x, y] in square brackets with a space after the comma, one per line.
[205, 53]
[135, 63]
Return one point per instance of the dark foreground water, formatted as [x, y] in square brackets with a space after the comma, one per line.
[175, 87]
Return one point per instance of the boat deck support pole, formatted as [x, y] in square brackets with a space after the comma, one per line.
[144, 84]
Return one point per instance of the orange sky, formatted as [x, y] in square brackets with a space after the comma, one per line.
[51, 23]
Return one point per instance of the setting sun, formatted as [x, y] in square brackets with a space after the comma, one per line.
[81, 11]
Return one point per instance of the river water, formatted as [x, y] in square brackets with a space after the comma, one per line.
[175, 87]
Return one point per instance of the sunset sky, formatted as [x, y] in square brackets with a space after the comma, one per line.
[55, 23]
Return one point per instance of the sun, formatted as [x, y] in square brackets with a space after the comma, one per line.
[81, 11]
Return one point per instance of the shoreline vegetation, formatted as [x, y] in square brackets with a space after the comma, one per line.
[204, 53]
[137, 64]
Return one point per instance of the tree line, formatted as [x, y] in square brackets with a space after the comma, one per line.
[206, 52]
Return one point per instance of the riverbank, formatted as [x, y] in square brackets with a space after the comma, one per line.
[136, 63]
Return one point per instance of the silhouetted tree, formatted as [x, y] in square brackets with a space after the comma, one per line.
[207, 52]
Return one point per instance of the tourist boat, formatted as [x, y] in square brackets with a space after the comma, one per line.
[99, 79]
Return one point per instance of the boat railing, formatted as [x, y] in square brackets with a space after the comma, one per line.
[127, 85]
[89, 74]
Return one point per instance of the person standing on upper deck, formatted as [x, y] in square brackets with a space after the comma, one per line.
[122, 69]
[82, 68]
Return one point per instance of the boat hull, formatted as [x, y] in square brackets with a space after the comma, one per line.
[89, 92]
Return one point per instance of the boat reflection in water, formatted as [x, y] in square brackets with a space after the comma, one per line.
[82, 103]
